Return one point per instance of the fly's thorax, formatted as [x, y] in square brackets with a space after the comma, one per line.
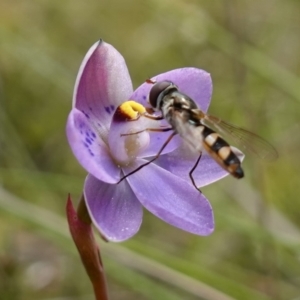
[182, 101]
[179, 108]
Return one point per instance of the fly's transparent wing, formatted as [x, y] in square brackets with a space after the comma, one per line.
[244, 139]
[190, 133]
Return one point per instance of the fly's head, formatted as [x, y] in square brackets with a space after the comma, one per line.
[158, 92]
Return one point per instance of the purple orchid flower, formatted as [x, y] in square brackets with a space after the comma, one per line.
[96, 131]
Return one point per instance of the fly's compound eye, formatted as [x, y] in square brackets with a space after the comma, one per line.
[158, 91]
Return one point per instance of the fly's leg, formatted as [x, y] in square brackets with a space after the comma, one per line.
[154, 158]
[149, 115]
[192, 170]
[149, 129]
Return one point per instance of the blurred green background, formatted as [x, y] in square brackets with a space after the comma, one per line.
[251, 49]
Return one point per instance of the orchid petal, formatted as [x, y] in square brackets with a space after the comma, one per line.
[114, 209]
[89, 149]
[196, 83]
[171, 198]
[102, 83]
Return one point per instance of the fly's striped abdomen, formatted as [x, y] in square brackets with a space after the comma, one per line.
[221, 151]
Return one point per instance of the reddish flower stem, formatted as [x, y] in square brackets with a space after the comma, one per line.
[82, 234]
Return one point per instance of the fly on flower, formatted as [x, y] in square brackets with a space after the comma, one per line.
[201, 131]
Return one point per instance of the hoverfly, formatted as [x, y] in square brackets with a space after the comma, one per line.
[201, 131]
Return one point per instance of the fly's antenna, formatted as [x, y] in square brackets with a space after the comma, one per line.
[151, 81]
